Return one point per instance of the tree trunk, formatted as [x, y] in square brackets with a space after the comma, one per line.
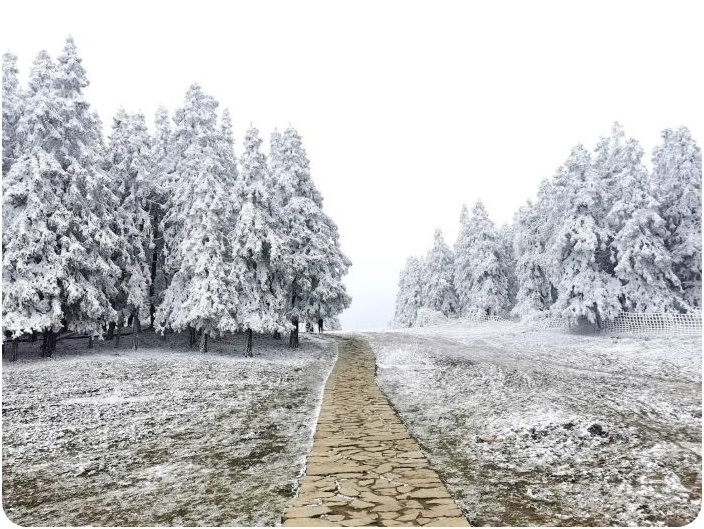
[192, 337]
[90, 342]
[293, 337]
[320, 325]
[34, 337]
[45, 343]
[598, 316]
[15, 346]
[203, 341]
[277, 335]
[155, 259]
[49, 343]
[248, 351]
[111, 331]
[135, 331]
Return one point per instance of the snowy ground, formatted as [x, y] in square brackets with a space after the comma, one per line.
[162, 436]
[531, 427]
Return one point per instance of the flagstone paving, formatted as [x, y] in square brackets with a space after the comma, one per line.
[364, 467]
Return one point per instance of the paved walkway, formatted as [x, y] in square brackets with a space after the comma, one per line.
[364, 467]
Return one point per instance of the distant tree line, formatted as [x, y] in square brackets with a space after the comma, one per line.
[604, 236]
[169, 229]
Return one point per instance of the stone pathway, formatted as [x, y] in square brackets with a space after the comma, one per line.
[364, 467]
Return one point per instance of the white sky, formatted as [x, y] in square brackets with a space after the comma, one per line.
[407, 109]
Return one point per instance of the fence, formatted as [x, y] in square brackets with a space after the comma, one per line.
[661, 323]
[625, 323]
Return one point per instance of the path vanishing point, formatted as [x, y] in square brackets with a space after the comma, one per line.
[364, 467]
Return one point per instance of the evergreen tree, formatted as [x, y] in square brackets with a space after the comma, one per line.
[585, 289]
[11, 111]
[88, 244]
[410, 293]
[256, 245]
[507, 259]
[643, 264]
[311, 264]
[438, 282]
[677, 183]
[479, 270]
[129, 169]
[196, 225]
[161, 173]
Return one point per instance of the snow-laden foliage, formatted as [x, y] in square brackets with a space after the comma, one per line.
[197, 224]
[311, 264]
[257, 244]
[584, 289]
[128, 164]
[677, 179]
[643, 264]
[410, 292]
[438, 289]
[428, 317]
[58, 245]
[11, 110]
[604, 236]
[479, 271]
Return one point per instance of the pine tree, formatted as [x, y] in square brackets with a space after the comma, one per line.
[11, 111]
[89, 242]
[438, 283]
[161, 173]
[129, 169]
[585, 289]
[677, 183]
[256, 245]
[410, 293]
[478, 267]
[643, 264]
[196, 225]
[311, 263]
[507, 259]
[536, 291]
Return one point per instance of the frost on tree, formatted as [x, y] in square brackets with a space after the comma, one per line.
[161, 172]
[410, 293]
[642, 262]
[11, 110]
[479, 273]
[257, 246]
[129, 170]
[311, 263]
[506, 235]
[58, 269]
[533, 297]
[197, 224]
[584, 289]
[677, 182]
[438, 284]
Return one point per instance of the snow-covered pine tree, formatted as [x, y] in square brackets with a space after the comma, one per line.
[438, 278]
[534, 295]
[128, 165]
[11, 110]
[677, 184]
[585, 289]
[507, 259]
[88, 244]
[410, 293]
[479, 268]
[35, 218]
[161, 173]
[312, 264]
[196, 226]
[643, 264]
[256, 246]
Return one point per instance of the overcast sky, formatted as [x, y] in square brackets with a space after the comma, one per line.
[407, 109]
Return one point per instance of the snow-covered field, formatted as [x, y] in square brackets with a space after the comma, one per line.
[532, 427]
[161, 436]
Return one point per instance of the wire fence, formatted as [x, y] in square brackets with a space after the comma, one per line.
[625, 323]
[661, 323]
